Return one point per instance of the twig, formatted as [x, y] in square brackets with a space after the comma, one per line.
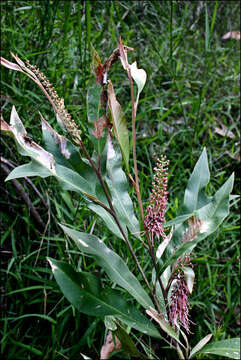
[26, 179]
[25, 197]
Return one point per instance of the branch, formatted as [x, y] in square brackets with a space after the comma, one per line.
[25, 197]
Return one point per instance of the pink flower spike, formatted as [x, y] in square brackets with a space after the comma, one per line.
[155, 217]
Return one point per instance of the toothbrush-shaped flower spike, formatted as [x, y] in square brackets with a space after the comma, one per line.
[155, 217]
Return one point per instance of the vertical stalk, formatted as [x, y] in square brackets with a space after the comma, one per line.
[79, 12]
[111, 210]
[88, 25]
[137, 187]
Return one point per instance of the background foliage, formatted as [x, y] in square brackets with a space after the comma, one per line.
[191, 100]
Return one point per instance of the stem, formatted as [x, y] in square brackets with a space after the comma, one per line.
[137, 188]
[111, 210]
[134, 108]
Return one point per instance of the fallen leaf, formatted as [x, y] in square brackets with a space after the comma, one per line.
[109, 346]
[224, 132]
[232, 35]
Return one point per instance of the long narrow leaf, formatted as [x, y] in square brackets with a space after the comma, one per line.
[164, 324]
[84, 291]
[200, 345]
[112, 263]
[118, 185]
[228, 348]
[211, 216]
[43, 163]
[119, 124]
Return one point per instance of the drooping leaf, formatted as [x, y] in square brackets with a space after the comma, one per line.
[43, 163]
[10, 65]
[84, 291]
[119, 124]
[200, 345]
[139, 76]
[27, 147]
[65, 153]
[117, 183]
[228, 348]
[112, 263]
[31, 169]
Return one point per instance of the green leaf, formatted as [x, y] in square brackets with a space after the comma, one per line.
[159, 293]
[205, 220]
[41, 316]
[119, 124]
[112, 263]
[27, 147]
[211, 216]
[218, 208]
[107, 218]
[229, 348]
[200, 345]
[43, 164]
[195, 196]
[127, 344]
[117, 183]
[110, 323]
[96, 117]
[163, 324]
[31, 169]
[66, 154]
[85, 292]
[179, 219]
[71, 180]
[63, 151]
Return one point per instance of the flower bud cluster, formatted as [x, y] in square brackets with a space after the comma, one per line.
[179, 307]
[58, 102]
[155, 217]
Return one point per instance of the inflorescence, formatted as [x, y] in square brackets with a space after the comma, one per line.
[179, 307]
[58, 102]
[155, 217]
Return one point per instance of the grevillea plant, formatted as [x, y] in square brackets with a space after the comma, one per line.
[160, 294]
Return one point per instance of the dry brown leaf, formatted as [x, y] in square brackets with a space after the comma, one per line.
[232, 35]
[224, 132]
[235, 156]
[109, 346]
[99, 126]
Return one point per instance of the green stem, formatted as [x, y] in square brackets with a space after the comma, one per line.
[111, 210]
[137, 187]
